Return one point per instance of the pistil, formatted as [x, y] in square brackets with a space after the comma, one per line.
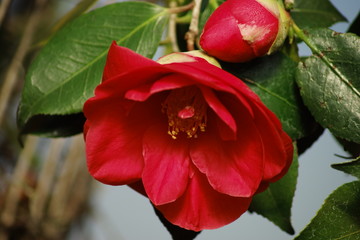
[186, 110]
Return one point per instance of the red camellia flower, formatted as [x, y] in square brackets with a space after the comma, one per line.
[195, 138]
[240, 30]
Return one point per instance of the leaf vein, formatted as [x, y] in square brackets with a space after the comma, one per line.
[91, 63]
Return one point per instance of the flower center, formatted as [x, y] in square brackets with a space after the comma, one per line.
[186, 111]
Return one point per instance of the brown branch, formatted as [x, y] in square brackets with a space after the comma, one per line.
[3, 9]
[46, 177]
[16, 63]
[18, 181]
[193, 32]
[172, 29]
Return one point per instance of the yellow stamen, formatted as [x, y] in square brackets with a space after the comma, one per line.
[186, 111]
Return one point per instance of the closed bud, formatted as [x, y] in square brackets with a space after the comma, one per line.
[241, 30]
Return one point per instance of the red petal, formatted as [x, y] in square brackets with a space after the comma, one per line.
[232, 167]
[289, 149]
[167, 82]
[119, 84]
[209, 75]
[201, 207]
[114, 138]
[120, 60]
[113, 151]
[220, 110]
[166, 170]
[278, 147]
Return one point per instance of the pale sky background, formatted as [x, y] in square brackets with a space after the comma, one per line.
[121, 213]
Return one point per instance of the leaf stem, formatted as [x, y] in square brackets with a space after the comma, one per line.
[306, 40]
[181, 8]
[183, 19]
[193, 32]
[316, 51]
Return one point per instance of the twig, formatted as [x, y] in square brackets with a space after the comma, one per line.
[66, 189]
[45, 181]
[16, 63]
[3, 8]
[172, 29]
[83, 182]
[17, 185]
[193, 29]
[66, 181]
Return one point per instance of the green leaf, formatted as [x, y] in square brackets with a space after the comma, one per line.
[330, 83]
[276, 201]
[338, 218]
[273, 79]
[66, 71]
[350, 147]
[350, 167]
[355, 25]
[319, 13]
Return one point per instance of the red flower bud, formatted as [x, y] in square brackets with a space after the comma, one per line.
[240, 30]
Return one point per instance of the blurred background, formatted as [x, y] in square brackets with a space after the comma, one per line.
[46, 192]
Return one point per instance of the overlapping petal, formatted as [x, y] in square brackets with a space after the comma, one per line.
[166, 172]
[232, 167]
[114, 152]
[120, 60]
[116, 136]
[201, 207]
[277, 144]
[167, 82]
[220, 110]
[208, 75]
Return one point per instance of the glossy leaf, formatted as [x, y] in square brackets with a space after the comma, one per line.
[273, 79]
[350, 167]
[69, 67]
[319, 13]
[330, 84]
[275, 202]
[338, 218]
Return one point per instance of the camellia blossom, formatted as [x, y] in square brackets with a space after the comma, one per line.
[189, 135]
[240, 30]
